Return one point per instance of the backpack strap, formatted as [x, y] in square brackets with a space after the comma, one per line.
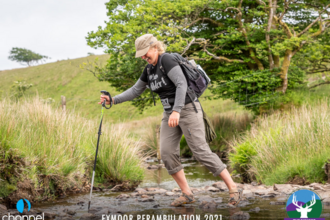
[160, 62]
[148, 73]
[191, 96]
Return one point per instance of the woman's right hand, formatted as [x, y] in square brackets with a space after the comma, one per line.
[105, 97]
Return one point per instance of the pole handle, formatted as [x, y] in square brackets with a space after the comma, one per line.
[108, 94]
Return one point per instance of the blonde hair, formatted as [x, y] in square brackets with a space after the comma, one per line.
[160, 46]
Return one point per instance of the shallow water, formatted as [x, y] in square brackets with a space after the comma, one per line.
[197, 176]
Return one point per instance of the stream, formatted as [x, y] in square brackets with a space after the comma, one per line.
[198, 177]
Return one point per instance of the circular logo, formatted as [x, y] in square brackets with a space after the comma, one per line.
[304, 203]
[20, 205]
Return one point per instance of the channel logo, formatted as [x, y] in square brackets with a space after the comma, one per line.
[20, 206]
[304, 204]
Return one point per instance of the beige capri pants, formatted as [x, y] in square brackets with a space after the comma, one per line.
[191, 124]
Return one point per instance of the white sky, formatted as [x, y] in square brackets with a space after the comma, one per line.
[55, 28]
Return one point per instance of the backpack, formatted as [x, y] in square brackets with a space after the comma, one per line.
[197, 79]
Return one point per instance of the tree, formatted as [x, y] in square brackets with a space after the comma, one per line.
[228, 38]
[26, 56]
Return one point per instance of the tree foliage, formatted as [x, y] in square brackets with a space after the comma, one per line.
[229, 38]
[25, 56]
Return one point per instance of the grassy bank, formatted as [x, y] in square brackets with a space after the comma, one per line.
[286, 145]
[55, 150]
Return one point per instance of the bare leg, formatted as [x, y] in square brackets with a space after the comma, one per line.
[228, 181]
[181, 180]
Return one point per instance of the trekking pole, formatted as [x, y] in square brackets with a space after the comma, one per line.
[98, 141]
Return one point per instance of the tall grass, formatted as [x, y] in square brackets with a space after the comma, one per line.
[150, 135]
[228, 126]
[282, 146]
[62, 145]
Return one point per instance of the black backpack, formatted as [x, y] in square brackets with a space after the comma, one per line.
[197, 79]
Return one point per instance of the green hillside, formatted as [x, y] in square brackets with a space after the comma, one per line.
[82, 90]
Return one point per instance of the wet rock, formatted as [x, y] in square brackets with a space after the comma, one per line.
[151, 189]
[170, 193]
[153, 167]
[243, 203]
[69, 211]
[284, 188]
[123, 196]
[139, 189]
[256, 209]
[3, 208]
[176, 190]
[240, 216]
[134, 194]
[115, 210]
[156, 206]
[326, 201]
[207, 205]
[81, 203]
[145, 196]
[240, 185]
[94, 210]
[278, 203]
[63, 215]
[324, 215]
[272, 193]
[323, 194]
[150, 199]
[102, 212]
[247, 193]
[195, 190]
[88, 216]
[248, 187]
[218, 200]
[261, 192]
[220, 185]
[97, 189]
[151, 193]
[162, 191]
[223, 206]
[254, 184]
[317, 186]
[50, 215]
[211, 189]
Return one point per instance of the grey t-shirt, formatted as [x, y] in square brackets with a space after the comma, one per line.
[171, 86]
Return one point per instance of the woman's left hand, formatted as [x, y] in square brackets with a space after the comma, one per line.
[173, 121]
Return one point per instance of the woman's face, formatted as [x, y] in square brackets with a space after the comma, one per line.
[151, 56]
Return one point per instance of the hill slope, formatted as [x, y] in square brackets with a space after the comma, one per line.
[82, 90]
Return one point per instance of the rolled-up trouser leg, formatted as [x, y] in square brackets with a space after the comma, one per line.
[192, 126]
[170, 145]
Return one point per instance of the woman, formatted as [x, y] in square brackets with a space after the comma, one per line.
[179, 117]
